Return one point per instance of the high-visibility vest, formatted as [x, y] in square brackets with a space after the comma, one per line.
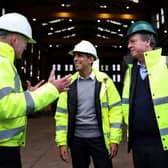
[111, 113]
[158, 81]
[16, 104]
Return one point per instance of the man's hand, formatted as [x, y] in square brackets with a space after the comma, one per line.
[61, 84]
[32, 88]
[64, 153]
[113, 150]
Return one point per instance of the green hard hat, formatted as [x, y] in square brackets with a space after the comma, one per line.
[140, 26]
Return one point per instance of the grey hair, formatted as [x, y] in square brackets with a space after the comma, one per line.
[146, 36]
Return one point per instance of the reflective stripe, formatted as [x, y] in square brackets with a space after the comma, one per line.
[5, 91]
[115, 104]
[164, 131]
[10, 132]
[61, 110]
[29, 102]
[61, 128]
[17, 81]
[115, 125]
[104, 105]
[125, 101]
[160, 101]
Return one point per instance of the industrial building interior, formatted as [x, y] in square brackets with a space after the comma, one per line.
[58, 25]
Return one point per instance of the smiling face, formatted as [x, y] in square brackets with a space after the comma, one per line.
[83, 62]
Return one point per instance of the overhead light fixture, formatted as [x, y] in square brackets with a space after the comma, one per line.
[127, 16]
[135, 1]
[44, 24]
[55, 21]
[104, 15]
[64, 14]
[127, 7]
[165, 31]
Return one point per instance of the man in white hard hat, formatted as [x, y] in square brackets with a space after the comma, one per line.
[16, 104]
[88, 116]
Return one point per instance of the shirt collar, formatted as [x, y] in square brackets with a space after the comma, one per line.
[91, 76]
[141, 65]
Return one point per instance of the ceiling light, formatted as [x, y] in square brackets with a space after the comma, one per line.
[127, 7]
[55, 21]
[165, 31]
[64, 14]
[44, 24]
[135, 1]
[50, 33]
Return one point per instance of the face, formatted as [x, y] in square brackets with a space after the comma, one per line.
[82, 62]
[138, 46]
[19, 44]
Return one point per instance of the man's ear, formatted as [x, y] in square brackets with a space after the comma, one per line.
[12, 39]
[92, 59]
[149, 43]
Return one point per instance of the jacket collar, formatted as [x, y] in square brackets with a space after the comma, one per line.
[152, 57]
[7, 51]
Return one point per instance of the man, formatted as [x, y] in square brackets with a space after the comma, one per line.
[88, 116]
[16, 104]
[145, 103]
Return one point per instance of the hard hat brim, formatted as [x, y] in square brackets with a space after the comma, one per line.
[32, 41]
[70, 52]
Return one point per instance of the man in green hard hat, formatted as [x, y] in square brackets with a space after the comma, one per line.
[145, 98]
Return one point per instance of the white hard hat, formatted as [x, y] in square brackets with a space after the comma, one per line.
[15, 22]
[85, 47]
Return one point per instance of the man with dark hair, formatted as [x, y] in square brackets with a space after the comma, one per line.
[88, 116]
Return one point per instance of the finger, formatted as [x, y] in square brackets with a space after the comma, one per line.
[66, 89]
[51, 77]
[40, 83]
[64, 157]
[67, 77]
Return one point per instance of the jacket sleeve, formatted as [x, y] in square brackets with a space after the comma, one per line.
[14, 102]
[115, 112]
[61, 120]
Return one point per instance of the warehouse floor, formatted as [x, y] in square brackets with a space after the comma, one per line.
[41, 151]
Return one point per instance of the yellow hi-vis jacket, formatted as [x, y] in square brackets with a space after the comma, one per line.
[158, 82]
[16, 104]
[110, 115]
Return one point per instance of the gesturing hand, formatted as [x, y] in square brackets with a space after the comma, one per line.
[32, 88]
[61, 84]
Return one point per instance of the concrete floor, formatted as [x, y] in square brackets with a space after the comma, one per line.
[41, 151]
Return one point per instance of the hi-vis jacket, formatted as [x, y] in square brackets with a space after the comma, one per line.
[158, 82]
[108, 111]
[16, 104]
